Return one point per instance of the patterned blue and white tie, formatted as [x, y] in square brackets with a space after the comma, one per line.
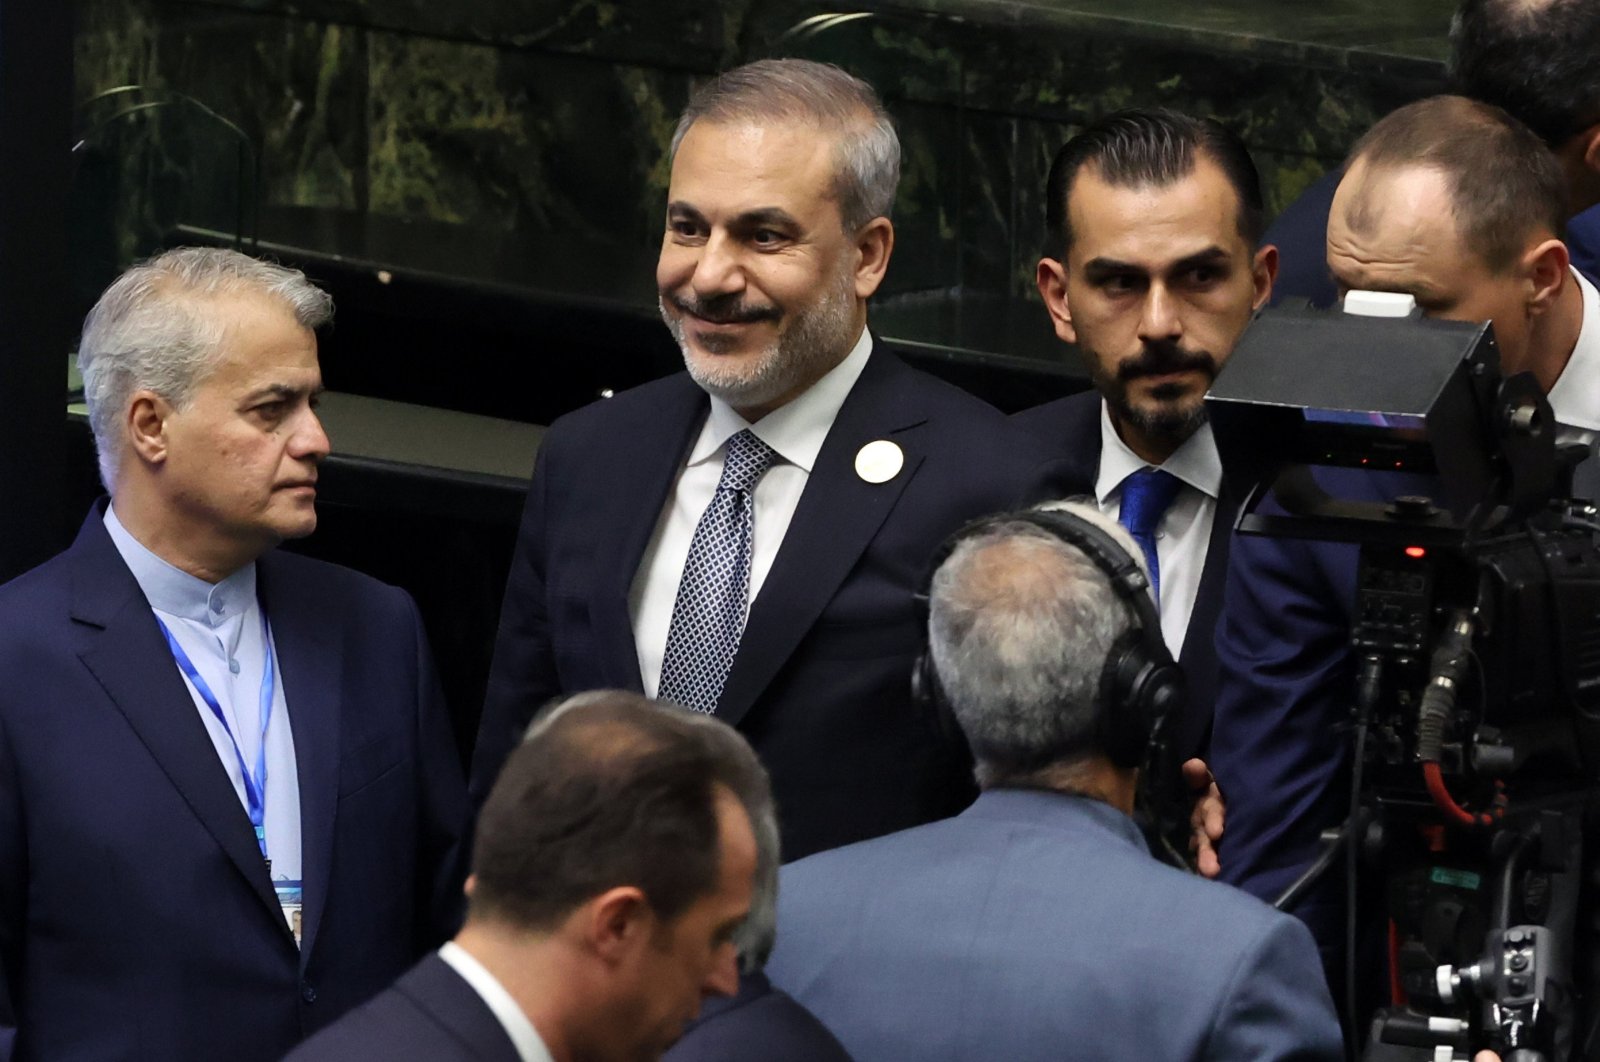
[1146, 495]
[714, 595]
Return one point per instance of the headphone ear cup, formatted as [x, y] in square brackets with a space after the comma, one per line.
[1139, 691]
[1116, 724]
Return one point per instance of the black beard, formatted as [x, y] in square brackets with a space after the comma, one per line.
[1172, 420]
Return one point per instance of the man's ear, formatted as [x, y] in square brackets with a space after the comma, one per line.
[1547, 268]
[1051, 276]
[1589, 148]
[146, 424]
[615, 923]
[874, 244]
[1263, 274]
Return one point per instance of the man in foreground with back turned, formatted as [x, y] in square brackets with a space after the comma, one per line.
[614, 860]
[230, 804]
[1036, 925]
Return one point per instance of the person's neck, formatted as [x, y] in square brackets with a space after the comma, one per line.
[1095, 779]
[152, 524]
[522, 963]
[1555, 335]
[1151, 450]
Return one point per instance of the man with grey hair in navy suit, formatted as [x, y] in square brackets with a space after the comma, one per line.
[1036, 925]
[230, 804]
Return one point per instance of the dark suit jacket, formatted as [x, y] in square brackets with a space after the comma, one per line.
[429, 1015]
[1071, 426]
[1281, 742]
[760, 1022]
[1036, 926]
[821, 682]
[1301, 235]
[137, 920]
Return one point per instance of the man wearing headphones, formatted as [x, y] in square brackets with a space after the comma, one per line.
[1035, 924]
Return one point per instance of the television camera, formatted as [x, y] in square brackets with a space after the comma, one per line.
[1474, 745]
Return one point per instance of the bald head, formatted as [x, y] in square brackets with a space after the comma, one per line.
[1454, 202]
[1500, 185]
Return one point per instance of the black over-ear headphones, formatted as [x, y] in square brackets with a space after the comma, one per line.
[1141, 686]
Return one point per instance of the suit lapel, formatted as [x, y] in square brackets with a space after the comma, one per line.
[312, 668]
[1080, 442]
[1199, 658]
[652, 457]
[835, 521]
[128, 657]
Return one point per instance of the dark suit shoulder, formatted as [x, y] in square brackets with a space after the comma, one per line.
[332, 579]
[759, 1017]
[429, 1015]
[50, 578]
[643, 403]
[1064, 419]
[940, 396]
[980, 436]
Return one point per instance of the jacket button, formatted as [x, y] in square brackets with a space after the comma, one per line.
[308, 993]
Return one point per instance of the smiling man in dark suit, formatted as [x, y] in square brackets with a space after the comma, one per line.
[746, 538]
[1155, 219]
[229, 800]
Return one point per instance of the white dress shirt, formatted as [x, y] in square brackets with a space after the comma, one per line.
[524, 1037]
[795, 430]
[1184, 534]
[1575, 398]
[219, 627]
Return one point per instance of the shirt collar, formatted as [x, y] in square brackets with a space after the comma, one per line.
[524, 1037]
[1196, 462]
[796, 429]
[176, 592]
[1575, 398]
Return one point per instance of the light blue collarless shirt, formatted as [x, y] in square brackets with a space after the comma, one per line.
[219, 626]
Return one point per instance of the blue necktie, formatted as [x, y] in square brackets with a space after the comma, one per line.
[1146, 494]
[714, 595]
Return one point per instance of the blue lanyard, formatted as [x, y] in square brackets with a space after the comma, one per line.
[255, 783]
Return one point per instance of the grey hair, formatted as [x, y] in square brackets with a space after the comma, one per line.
[866, 149]
[149, 331]
[1020, 624]
[755, 936]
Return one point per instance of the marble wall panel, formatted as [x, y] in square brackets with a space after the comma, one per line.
[543, 124]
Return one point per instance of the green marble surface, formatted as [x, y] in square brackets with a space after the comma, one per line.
[536, 131]
[1340, 32]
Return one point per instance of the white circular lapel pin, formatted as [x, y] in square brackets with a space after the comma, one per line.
[879, 461]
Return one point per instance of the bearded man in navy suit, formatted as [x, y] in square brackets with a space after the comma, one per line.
[230, 804]
[747, 538]
[1154, 219]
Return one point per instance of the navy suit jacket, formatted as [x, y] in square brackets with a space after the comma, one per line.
[1071, 425]
[1036, 926]
[821, 682]
[1301, 235]
[429, 1015]
[759, 1022]
[137, 920]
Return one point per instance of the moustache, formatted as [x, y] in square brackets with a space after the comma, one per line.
[1158, 359]
[723, 310]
